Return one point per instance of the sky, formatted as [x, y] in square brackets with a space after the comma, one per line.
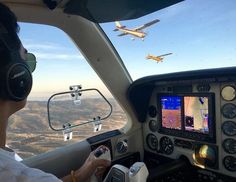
[59, 62]
[200, 34]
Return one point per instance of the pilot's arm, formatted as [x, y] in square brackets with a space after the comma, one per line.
[88, 169]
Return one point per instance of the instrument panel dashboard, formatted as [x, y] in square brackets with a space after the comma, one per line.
[190, 114]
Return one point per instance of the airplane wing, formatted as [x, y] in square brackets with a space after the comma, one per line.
[122, 34]
[146, 25]
[165, 55]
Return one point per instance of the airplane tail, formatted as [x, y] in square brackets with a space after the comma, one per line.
[118, 26]
[148, 56]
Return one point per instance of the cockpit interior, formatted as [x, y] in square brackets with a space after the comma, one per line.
[181, 125]
[188, 117]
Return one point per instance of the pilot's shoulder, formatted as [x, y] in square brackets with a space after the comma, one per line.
[13, 170]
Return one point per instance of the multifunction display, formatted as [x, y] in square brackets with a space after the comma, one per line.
[187, 115]
[195, 112]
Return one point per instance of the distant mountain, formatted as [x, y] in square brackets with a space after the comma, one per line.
[29, 133]
[34, 116]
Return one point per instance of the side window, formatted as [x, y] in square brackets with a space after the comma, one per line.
[59, 65]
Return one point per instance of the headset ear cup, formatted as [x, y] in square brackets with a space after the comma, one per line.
[18, 82]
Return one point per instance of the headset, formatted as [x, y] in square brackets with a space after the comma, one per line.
[15, 77]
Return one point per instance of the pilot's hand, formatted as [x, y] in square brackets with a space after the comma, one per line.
[92, 165]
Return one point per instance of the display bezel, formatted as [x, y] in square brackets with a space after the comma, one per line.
[207, 137]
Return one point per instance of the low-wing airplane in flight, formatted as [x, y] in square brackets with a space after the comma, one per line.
[157, 58]
[136, 32]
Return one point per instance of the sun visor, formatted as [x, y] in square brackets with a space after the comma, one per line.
[102, 11]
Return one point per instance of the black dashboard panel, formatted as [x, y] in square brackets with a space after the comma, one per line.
[190, 114]
[103, 136]
[96, 10]
[143, 87]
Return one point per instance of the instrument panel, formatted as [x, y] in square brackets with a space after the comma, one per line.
[190, 114]
[217, 153]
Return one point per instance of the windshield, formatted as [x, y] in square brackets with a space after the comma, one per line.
[190, 35]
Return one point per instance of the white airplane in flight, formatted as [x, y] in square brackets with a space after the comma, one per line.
[136, 32]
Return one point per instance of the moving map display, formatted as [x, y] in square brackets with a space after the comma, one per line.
[196, 114]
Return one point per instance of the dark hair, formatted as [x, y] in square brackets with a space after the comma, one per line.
[9, 21]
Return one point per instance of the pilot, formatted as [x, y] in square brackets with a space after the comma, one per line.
[16, 66]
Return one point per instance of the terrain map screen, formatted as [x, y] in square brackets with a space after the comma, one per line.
[196, 114]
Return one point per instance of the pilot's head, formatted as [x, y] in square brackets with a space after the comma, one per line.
[15, 74]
